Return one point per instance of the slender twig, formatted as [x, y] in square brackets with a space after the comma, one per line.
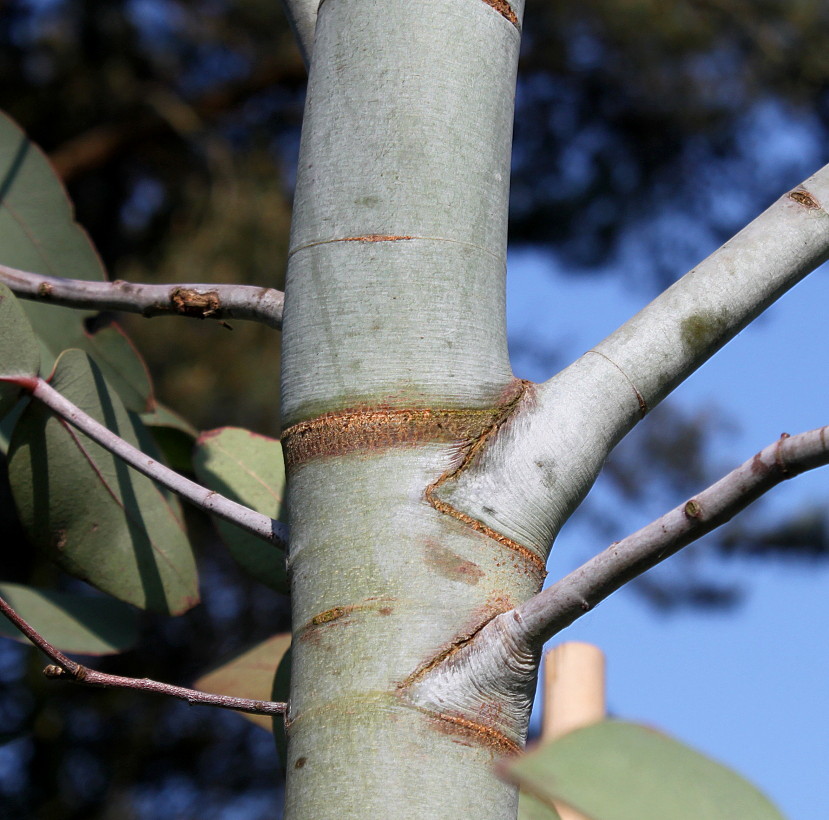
[203, 301]
[547, 613]
[65, 668]
[254, 522]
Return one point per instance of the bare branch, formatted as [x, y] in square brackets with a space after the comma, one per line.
[261, 525]
[199, 301]
[302, 15]
[65, 668]
[556, 607]
[684, 326]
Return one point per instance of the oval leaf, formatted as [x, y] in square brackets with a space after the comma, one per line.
[73, 623]
[123, 367]
[173, 435]
[98, 519]
[247, 468]
[250, 675]
[38, 233]
[622, 771]
[19, 350]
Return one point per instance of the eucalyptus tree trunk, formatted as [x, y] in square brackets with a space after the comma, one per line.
[394, 366]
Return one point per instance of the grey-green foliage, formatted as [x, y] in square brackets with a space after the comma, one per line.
[96, 518]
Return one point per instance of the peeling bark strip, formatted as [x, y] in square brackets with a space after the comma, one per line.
[504, 9]
[477, 733]
[336, 434]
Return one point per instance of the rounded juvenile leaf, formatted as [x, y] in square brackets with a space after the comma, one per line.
[98, 519]
[39, 234]
[19, 350]
[38, 231]
[70, 622]
[247, 468]
[249, 675]
[621, 771]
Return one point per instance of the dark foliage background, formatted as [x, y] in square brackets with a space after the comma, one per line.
[644, 130]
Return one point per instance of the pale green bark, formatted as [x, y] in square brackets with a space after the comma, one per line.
[395, 301]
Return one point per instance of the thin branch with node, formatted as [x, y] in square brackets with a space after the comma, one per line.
[199, 301]
[64, 668]
[254, 522]
[550, 611]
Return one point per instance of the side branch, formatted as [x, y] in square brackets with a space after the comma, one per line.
[204, 301]
[261, 525]
[536, 471]
[684, 326]
[66, 669]
[556, 607]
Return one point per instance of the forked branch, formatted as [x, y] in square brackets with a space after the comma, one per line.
[203, 301]
[254, 522]
[65, 668]
[537, 471]
[556, 607]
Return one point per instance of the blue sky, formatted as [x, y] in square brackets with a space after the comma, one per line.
[747, 686]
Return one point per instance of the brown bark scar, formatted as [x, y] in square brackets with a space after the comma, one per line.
[804, 198]
[492, 609]
[190, 302]
[378, 428]
[778, 455]
[338, 615]
[375, 237]
[473, 449]
[504, 9]
[476, 732]
[451, 565]
[331, 615]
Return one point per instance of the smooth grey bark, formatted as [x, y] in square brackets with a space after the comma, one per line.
[394, 357]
